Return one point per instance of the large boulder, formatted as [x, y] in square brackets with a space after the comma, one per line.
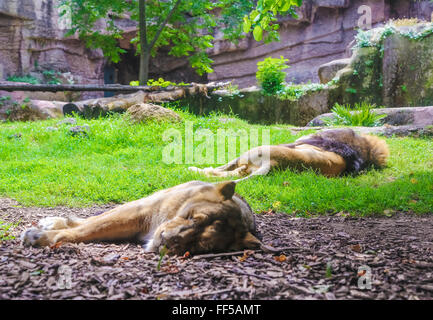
[329, 70]
[251, 104]
[33, 110]
[408, 69]
[391, 66]
[144, 112]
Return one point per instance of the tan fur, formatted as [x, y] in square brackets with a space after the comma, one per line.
[379, 151]
[196, 216]
[261, 160]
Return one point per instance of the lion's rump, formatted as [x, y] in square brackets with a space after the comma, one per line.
[353, 159]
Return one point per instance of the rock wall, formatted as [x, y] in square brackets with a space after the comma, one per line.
[394, 70]
[322, 33]
[31, 34]
[392, 66]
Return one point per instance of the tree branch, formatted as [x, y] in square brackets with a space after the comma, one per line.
[161, 27]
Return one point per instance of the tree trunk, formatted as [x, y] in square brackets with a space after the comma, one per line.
[144, 52]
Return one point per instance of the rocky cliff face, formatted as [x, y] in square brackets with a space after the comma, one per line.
[31, 34]
[322, 33]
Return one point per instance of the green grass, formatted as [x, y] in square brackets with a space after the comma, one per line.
[5, 229]
[120, 162]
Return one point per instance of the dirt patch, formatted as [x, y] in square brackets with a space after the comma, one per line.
[322, 263]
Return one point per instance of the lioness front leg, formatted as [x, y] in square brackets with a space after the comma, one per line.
[57, 223]
[114, 225]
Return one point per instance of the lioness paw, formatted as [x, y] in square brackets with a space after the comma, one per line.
[52, 223]
[34, 237]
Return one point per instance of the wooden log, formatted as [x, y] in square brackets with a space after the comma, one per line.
[75, 87]
[11, 86]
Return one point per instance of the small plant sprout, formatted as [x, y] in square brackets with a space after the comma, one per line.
[162, 253]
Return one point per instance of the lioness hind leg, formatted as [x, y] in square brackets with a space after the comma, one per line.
[218, 172]
[232, 166]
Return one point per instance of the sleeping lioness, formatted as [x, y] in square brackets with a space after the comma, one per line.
[329, 152]
[198, 217]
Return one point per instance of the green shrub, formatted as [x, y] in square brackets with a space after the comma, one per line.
[270, 74]
[361, 115]
[25, 79]
[51, 77]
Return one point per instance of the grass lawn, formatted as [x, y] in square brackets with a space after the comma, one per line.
[120, 162]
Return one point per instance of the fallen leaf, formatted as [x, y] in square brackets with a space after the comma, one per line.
[247, 253]
[56, 245]
[356, 248]
[171, 269]
[270, 212]
[280, 258]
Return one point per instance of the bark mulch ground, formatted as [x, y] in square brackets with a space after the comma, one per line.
[322, 262]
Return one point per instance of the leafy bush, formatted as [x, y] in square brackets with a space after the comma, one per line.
[51, 76]
[26, 79]
[361, 115]
[270, 74]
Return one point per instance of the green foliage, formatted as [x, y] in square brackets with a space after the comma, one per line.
[351, 90]
[187, 32]
[263, 19]
[294, 92]
[51, 76]
[376, 37]
[360, 115]
[5, 230]
[270, 74]
[159, 83]
[26, 79]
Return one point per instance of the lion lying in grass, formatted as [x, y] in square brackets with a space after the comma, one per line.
[198, 217]
[330, 152]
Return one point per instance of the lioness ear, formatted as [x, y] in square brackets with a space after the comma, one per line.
[227, 189]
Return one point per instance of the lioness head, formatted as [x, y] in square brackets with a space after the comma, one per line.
[213, 219]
